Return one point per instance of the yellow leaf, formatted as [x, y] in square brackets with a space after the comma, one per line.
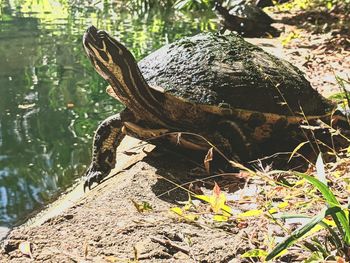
[254, 253]
[337, 174]
[204, 198]
[226, 210]
[217, 201]
[180, 212]
[273, 210]
[251, 213]
[283, 205]
[177, 210]
[26, 248]
[220, 218]
[191, 217]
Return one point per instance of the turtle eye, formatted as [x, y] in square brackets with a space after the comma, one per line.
[101, 34]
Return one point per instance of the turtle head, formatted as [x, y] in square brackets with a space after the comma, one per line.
[115, 63]
[110, 58]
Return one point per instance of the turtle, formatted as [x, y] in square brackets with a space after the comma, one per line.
[199, 91]
[266, 3]
[246, 19]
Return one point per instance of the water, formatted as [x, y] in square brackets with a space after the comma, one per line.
[51, 99]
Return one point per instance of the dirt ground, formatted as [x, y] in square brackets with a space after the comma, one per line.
[104, 224]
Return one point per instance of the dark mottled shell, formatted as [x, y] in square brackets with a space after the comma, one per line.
[228, 72]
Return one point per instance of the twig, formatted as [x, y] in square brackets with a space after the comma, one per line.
[168, 243]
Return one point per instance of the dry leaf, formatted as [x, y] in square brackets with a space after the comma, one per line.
[218, 199]
[178, 138]
[142, 207]
[208, 158]
[297, 149]
[340, 260]
[26, 248]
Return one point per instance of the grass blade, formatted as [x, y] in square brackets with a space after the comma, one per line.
[297, 149]
[339, 218]
[297, 234]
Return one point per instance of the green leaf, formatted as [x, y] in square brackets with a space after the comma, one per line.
[339, 218]
[300, 232]
[337, 240]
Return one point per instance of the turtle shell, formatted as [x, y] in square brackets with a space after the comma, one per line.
[244, 10]
[226, 71]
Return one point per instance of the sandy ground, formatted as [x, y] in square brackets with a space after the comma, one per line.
[103, 224]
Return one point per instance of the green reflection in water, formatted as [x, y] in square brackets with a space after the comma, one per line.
[51, 99]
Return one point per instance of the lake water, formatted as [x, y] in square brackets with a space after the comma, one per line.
[51, 98]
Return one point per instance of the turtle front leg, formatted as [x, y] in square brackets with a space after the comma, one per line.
[108, 136]
[239, 146]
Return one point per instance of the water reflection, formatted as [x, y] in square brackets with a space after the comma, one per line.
[51, 99]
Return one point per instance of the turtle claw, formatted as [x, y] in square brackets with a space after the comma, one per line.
[92, 177]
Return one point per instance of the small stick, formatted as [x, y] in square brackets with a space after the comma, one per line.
[168, 243]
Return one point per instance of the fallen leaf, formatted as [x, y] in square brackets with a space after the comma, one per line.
[256, 253]
[283, 205]
[177, 210]
[180, 212]
[208, 158]
[251, 213]
[26, 248]
[142, 207]
[273, 210]
[217, 201]
[340, 260]
[297, 149]
[178, 138]
[220, 218]
[242, 224]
